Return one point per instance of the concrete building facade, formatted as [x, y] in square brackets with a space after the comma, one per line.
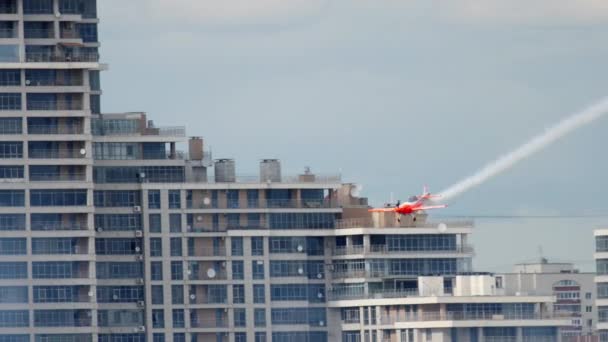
[601, 280]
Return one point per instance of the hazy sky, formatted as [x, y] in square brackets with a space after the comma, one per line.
[394, 94]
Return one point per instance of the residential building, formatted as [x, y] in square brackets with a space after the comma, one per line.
[575, 294]
[109, 233]
[601, 280]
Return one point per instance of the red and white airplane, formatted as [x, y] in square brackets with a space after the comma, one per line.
[413, 206]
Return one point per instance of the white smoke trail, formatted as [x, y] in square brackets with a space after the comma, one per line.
[539, 142]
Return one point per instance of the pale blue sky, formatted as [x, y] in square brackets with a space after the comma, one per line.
[395, 94]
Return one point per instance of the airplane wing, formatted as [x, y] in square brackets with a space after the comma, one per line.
[428, 207]
[381, 210]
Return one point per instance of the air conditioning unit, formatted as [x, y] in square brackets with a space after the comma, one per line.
[140, 329]
[141, 303]
[137, 209]
[140, 281]
[139, 233]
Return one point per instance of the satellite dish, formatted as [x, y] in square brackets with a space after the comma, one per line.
[193, 296]
[83, 151]
[442, 227]
[320, 295]
[206, 201]
[211, 273]
[90, 293]
[300, 248]
[199, 218]
[321, 323]
[300, 270]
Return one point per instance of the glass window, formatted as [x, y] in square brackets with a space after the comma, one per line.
[156, 247]
[232, 198]
[175, 223]
[158, 337]
[238, 272]
[260, 337]
[259, 294]
[178, 318]
[156, 270]
[259, 317]
[179, 337]
[11, 150]
[240, 337]
[177, 294]
[174, 199]
[155, 223]
[176, 246]
[10, 125]
[38, 6]
[257, 245]
[238, 294]
[177, 270]
[257, 267]
[45, 198]
[9, 77]
[240, 317]
[158, 318]
[157, 294]
[253, 198]
[12, 198]
[12, 222]
[237, 246]
[154, 199]
[10, 101]
[9, 53]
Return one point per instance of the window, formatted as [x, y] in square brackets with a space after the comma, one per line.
[158, 318]
[117, 246]
[157, 294]
[10, 125]
[238, 294]
[154, 199]
[237, 246]
[119, 294]
[177, 294]
[12, 198]
[155, 223]
[174, 199]
[176, 246]
[13, 270]
[178, 318]
[240, 337]
[175, 223]
[12, 222]
[314, 293]
[259, 294]
[13, 246]
[14, 318]
[119, 270]
[38, 6]
[240, 317]
[11, 150]
[10, 101]
[238, 272]
[10, 77]
[257, 267]
[259, 319]
[588, 309]
[117, 222]
[116, 198]
[177, 270]
[158, 337]
[257, 245]
[59, 270]
[588, 295]
[232, 199]
[44, 198]
[9, 53]
[13, 294]
[156, 270]
[179, 337]
[260, 337]
[253, 198]
[156, 247]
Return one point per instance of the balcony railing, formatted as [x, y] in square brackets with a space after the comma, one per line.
[49, 57]
[468, 316]
[8, 33]
[288, 203]
[57, 177]
[54, 105]
[53, 225]
[200, 323]
[348, 295]
[204, 275]
[255, 179]
[383, 250]
[39, 33]
[369, 223]
[56, 154]
[55, 129]
[207, 252]
[8, 8]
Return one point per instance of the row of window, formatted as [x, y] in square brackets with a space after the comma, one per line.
[43, 198]
[45, 318]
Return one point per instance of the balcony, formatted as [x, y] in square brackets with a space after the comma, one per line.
[385, 250]
[55, 129]
[62, 153]
[57, 177]
[33, 57]
[366, 222]
[55, 105]
[468, 316]
[285, 203]
[8, 7]
[37, 33]
[6, 33]
[354, 295]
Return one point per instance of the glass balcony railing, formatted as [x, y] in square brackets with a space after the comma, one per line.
[54, 225]
[57, 177]
[54, 105]
[55, 129]
[57, 154]
[8, 33]
[31, 33]
[284, 203]
[50, 57]
[384, 249]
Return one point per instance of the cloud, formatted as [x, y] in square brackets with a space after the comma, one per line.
[528, 12]
[232, 11]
